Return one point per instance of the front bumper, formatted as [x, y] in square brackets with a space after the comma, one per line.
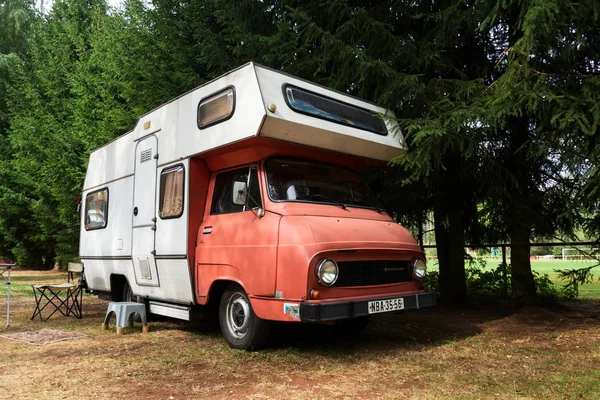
[321, 312]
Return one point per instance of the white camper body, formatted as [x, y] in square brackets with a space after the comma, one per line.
[153, 254]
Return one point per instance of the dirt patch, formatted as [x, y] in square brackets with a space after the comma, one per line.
[487, 351]
[42, 336]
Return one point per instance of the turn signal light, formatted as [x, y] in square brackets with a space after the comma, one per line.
[314, 294]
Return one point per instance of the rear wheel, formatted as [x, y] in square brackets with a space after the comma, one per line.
[128, 293]
[129, 296]
[240, 327]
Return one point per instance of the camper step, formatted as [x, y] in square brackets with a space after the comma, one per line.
[170, 310]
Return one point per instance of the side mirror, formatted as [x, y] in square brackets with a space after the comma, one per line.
[240, 193]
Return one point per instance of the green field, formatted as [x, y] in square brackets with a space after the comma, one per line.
[548, 267]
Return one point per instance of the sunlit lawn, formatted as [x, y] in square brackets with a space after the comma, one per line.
[488, 351]
[549, 267]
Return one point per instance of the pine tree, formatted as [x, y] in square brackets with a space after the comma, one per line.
[541, 107]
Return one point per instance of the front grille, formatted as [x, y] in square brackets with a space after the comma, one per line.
[368, 273]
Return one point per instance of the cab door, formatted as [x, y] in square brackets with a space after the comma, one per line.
[144, 212]
[235, 240]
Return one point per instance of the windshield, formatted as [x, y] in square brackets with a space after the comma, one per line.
[309, 181]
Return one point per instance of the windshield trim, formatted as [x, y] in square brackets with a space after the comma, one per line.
[328, 203]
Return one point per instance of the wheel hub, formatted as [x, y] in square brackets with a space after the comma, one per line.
[238, 315]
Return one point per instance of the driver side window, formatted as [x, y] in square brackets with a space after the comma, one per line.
[235, 190]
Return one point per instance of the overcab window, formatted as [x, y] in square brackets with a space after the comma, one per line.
[316, 105]
[171, 192]
[96, 210]
[216, 108]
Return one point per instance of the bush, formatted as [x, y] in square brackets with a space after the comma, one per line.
[544, 286]
[432, 282]
[541, 251]
[482, 281]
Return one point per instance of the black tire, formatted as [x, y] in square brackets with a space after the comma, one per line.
[351, 327]
[240, 327]
[128, 293]
[128, 296]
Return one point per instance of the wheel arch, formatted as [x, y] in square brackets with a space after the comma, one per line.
[218, 287]
[117, 284]
[210, 278]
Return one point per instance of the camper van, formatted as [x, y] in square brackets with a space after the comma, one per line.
[243, 199]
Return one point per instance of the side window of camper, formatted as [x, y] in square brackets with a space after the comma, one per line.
[171, 192]
[236, 190]
[96, 210]
[216, 108]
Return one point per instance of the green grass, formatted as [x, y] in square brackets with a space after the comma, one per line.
[21, 285]
[485, 352]
[548, 267]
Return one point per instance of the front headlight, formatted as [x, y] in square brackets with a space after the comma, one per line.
[419, 268]
[327, 272]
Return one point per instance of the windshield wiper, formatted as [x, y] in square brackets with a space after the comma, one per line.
[364, 203]
[339, 203]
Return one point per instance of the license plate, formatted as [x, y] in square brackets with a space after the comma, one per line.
[380, 306]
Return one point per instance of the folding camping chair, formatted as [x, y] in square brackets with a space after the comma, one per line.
[65, 298]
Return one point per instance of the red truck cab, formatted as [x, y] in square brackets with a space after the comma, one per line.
[297, 236]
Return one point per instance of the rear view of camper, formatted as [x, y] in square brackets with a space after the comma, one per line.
[242, 198]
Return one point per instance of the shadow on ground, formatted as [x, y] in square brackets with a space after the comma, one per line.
[412, 330]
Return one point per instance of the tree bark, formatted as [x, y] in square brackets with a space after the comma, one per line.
[449, 239]
[449, 236]
[523, 285]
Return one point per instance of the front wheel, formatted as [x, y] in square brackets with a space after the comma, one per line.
[240, 327]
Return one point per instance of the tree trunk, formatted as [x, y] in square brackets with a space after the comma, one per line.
[449, 236]
[523, 286]
[420, 231]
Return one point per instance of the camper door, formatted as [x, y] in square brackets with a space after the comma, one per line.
[144, 212]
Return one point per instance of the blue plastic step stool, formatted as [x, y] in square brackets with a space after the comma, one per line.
[124, 312]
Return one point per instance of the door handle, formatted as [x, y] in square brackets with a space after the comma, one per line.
[207, 230]
[135, 211]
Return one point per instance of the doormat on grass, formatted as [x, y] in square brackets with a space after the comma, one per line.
[43, 336]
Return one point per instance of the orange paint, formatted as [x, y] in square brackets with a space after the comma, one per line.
[274, 257]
